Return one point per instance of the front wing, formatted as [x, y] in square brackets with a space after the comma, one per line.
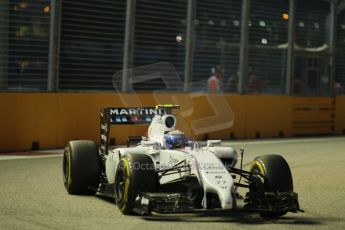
[182, 203]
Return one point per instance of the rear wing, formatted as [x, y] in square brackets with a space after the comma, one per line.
[128, 116]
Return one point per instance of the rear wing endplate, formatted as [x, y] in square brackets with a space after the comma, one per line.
[128, 116]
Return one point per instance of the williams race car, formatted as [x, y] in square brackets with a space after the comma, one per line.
[168, 173]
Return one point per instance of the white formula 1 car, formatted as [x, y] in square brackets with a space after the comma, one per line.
[166, 172]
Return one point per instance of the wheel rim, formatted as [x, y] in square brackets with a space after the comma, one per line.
[65, 168]
[120, 183]
[258, 186]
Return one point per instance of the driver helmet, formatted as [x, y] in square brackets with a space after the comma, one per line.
[175, 139]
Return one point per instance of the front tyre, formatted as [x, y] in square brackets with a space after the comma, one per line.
[276, 175]
[135, 173]
[81, 167]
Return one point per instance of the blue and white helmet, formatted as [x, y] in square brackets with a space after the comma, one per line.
[175, 139]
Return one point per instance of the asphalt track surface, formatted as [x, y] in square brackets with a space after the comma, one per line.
[32, 195]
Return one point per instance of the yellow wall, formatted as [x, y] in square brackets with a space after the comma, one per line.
[52, 119]
[313, 115]
[25, 118]
[339, 115]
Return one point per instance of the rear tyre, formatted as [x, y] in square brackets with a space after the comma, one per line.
[277, 177]
[81, 167]
[135, 173]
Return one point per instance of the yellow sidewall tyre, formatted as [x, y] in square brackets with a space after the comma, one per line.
[135, 174]
[277, 177]
[81, 167]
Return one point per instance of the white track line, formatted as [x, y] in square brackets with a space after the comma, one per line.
[29, 155]
[58, 152]
[278, 141]
[17, 157]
